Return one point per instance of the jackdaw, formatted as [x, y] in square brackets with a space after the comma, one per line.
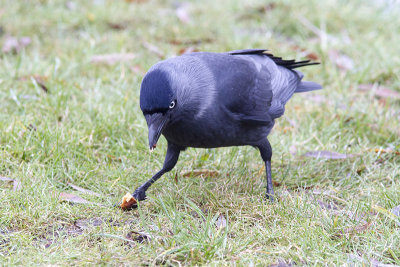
[210, 100]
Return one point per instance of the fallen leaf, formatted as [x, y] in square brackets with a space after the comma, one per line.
[154, 49]
[137, 69]
[116, 26]
[221, 222]
[40, 82]
[16, 183]
[111, 59]
[376, 263]
[191, 42]
[71, 198]
[14, 45]
[353, 230]
[266, 7]
[282, 263]
[200, 173]
[276, 183]
[341, 60]
[187, 50]
[128, 202]
[327, 206]
[388, 150]
[358, 260]
[86, 223]
[305, 53]
[83, 190]
[311, 55]
[380, 91]
[327, 155]
[139, 237]
[135, 1]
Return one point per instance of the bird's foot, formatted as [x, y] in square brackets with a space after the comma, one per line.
[270, 197]
[139, 194]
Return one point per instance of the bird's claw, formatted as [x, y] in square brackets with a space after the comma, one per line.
[270, 197]
[139, 195]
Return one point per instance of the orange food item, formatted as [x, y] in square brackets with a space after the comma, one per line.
[128, 202]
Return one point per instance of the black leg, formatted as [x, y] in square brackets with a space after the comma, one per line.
[170, 161]
[270, 187]
[266, 154]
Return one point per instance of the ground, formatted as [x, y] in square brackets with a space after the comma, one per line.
[70, 116]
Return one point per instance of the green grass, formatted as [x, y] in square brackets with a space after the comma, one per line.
[90, 132]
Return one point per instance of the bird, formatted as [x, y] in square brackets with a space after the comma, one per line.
[210, 100]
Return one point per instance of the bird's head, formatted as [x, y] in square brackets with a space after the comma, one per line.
[157, 102]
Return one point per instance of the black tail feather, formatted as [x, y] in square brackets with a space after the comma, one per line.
[290, 64]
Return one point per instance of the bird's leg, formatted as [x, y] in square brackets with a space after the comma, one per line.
[266, 154]
[171, 158]
[270, 187]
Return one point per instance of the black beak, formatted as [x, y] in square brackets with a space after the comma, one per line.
[156, 123]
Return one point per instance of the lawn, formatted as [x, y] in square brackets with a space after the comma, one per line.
[70, 74]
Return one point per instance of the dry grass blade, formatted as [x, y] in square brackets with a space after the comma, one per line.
[201, 173]
[6, 179]
[71, 198]
[83, 190]
[111, 59]
[154, 49]
[327, 155]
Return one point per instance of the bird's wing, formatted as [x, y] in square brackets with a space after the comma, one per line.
[284, 81]
[243, 91]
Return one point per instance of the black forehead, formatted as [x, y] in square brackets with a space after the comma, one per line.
[155, 91]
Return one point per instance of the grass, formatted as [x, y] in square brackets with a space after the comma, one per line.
[88, 130]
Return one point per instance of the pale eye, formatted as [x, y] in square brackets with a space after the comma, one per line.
[172, 105]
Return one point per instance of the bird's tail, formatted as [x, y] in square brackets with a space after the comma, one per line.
[305, 86]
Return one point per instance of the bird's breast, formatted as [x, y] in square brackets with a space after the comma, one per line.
[213, 132]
